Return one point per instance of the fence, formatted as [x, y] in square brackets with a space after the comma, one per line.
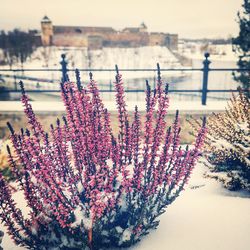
[204, 90]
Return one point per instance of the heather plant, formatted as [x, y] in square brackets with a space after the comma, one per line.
[227, 144]
[86, 188]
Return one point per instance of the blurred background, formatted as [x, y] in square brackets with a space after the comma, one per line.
[202, 48]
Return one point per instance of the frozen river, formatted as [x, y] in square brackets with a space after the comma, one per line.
[133, 81]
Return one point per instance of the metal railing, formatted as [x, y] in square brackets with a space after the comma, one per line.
[65, 71]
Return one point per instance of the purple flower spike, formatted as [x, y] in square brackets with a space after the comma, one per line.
[87, 187]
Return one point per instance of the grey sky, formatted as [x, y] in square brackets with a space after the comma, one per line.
[188, 18]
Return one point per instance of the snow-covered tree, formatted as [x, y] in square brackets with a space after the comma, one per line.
[241, 45]
[87, 188]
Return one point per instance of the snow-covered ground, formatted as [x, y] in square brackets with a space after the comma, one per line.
[204, 217]
[185, 106]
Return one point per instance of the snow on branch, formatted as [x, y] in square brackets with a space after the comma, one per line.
[227, 143]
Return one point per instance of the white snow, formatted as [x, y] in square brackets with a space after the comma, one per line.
[80, 218]
[107, 58]
[126, 235]
[244, 127]
[44, 106]
[218, 52]
[204, 217]
[242, 148]
[79, 187]
[118, 229]
[129, 58]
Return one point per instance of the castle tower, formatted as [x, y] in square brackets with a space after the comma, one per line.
[143, 27]
[47, 31]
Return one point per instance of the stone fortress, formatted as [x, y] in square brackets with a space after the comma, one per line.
[99, 37]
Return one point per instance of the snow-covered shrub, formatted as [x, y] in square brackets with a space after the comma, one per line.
[227, 144]
[89, 189]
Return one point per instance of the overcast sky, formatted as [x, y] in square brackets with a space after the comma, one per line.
[188, 18]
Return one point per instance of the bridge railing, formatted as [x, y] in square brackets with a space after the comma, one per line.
[17, 74]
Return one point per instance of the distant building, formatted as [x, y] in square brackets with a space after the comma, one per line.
[98, 37]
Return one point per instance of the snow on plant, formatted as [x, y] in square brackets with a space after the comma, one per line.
[87, 188]
[227, 143]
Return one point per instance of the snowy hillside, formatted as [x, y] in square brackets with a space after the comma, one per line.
[142, 57]
[127, 58]
[107, 58]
